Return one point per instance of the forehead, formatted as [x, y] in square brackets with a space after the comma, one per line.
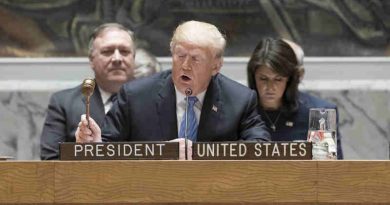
[191, 49]
[113, 37]
[266, 71]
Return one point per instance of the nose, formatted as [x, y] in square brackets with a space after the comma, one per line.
[270, 85]
[186, 63]
[117, 57]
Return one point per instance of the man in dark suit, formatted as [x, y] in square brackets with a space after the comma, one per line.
[111, 56]
[219, 109]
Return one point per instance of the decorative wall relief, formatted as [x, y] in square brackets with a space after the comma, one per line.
[323, 28]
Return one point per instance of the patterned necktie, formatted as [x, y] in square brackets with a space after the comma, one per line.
[192, 124]
[113, 98]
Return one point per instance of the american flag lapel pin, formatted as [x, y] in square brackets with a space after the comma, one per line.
[289, 124]
[214, 108]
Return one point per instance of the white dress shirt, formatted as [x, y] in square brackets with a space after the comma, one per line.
[181, 104]
[106, 99]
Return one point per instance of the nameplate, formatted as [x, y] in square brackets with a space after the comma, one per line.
[252, 151]
[120, 151]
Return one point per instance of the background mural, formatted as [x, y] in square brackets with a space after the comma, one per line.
[30, 28]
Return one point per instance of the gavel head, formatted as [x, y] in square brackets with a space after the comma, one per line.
[88, 87]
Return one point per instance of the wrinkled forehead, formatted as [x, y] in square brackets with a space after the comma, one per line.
[191, 49]
[113, 35]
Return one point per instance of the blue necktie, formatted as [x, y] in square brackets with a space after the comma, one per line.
[192, 124]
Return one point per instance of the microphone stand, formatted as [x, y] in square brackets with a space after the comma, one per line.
[185, 129]
[188, 93]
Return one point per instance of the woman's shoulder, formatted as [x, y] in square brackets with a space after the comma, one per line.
[308, 101]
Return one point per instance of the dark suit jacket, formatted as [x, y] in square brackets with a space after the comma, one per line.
[63, 116]
[299, 120]
[146, 111]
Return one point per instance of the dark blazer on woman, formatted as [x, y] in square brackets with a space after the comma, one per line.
[295, 126]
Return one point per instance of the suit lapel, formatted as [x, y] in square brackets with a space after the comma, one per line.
[211, 112]
[166, 109]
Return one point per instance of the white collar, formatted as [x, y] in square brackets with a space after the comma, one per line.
[105, 95]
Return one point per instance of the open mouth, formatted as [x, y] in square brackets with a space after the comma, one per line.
[185, 78]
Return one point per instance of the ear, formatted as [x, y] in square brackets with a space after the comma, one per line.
[90, 58]
[217, 65]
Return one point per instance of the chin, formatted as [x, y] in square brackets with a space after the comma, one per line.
[183, 88]
[119, 79]
[268, 104]
[182, 85]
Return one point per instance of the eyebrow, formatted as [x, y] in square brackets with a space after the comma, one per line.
[114, 46]
[276, 76]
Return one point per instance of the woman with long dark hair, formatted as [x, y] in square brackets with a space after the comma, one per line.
[275, 70]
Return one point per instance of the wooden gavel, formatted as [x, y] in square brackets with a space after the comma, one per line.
[87, 89]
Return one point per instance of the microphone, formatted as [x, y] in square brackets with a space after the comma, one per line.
[188, 93]
[87, 89]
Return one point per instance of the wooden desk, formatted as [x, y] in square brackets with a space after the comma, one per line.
[196, 182]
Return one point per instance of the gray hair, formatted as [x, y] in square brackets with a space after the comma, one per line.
[108, 26]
